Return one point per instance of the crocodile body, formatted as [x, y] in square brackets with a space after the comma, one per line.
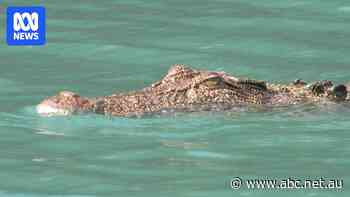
[186, 89]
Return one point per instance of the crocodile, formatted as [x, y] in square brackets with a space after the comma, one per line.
[187, 89]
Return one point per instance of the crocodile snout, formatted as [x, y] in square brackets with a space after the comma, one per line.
[62, 104]
[50, 108]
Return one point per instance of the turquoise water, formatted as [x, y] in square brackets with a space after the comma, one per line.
[97, 47]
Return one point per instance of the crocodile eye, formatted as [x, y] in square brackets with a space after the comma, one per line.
[212, 82]
[254, 84]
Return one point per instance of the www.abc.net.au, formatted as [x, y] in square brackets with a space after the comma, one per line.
[289, 183]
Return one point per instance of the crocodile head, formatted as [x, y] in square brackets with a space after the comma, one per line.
[64, 103]
[213, 87]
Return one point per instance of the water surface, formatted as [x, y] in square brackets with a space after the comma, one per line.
[98, 47]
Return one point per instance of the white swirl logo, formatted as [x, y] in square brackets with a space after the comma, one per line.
[33, 21]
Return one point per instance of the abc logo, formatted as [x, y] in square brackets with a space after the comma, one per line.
[33, 21]
[26, 26]
[32, 25]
